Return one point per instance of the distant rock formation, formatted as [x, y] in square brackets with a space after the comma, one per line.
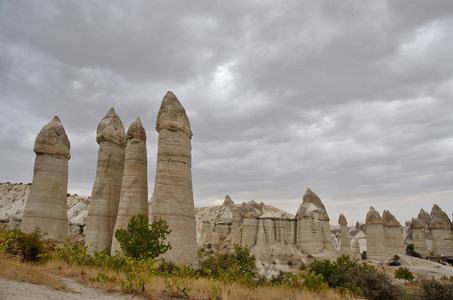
[12, 203]
[134, 186]
[313, 228]
[375, 237]
[441, 232]
[173, 194]
[344, 235]
[46, 205]
[393, 233]
[107, 186]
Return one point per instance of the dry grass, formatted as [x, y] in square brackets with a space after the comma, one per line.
[13, 269]
[50, 274]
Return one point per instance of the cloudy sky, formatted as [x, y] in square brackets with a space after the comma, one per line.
[353, 99]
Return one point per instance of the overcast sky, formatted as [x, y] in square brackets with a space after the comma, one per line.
[353, 99]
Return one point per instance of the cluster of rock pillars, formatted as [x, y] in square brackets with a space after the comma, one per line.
[120, 191]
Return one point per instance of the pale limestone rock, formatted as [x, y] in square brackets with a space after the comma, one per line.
[393, 232]
[356, 249]
[441, 232]
[173, 195]
[313, 229]
[345, 239]
[261, 235]
[46, 204]
[375, 235]
[249, 231]
[12, 203]
[206, 234]
[106, 191]
[134, 186]
[418, 237]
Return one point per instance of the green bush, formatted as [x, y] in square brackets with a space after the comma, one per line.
[29, 246]
[404, 273]
[142, 241]
[235, 266]
[346, 275]
[436, 290]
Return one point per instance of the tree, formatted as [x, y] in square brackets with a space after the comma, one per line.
[142, 241]
[404, 273]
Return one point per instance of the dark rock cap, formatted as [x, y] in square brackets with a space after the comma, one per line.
[373, 217]
[111, 129]
[136, 130]
[52, 139]
[172, 116]
[342, 220]
[389, 220]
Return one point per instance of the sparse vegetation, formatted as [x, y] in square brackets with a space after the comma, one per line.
[142, 241]
[221, 276]
[404, 273]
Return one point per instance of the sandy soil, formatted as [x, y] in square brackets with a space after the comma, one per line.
[23, 291]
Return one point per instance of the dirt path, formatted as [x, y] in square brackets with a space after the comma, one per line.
[15, 290]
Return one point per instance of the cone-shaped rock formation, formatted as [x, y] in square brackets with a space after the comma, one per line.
[107, 185]
[441, 232]
[375, 235]
[393, 232]
[173, 195]
[313, 228]
[344, 234]
[46, 205]
[134, 186]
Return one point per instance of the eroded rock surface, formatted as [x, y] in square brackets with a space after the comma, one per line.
[46, 204]
[107, 186]
[173, 194]
[134, 186]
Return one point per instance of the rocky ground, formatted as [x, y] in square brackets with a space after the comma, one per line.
[10, 289]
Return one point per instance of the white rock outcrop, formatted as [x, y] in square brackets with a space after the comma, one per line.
[393, 233]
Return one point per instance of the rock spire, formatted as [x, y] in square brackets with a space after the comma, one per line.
[173, 195]
[106, 191]
[441, 232]
[375, 235]
[134, 186]
[46, 206]
[344, 234]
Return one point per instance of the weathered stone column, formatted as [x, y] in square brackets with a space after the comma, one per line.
[313, 229]
[106, 192]
[375, 239]
[46, 206]
[134, 187]
[441, 232]
[249, 231]
[173, 195]
[344, 235]
[393, 233]
[418, 237]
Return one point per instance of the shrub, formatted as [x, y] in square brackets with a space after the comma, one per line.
[410, 250]
[142, 241]
[404, 273]
[29, 246]
[359, 278]
[240, 263]
[436, 290]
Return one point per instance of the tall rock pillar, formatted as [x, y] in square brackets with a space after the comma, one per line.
[375, 238]
[134, 186]
[313, 229]
[344, 235]
[106, 192]
[441, 232]
[46, 205]
[173, 195]
[393, 233]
